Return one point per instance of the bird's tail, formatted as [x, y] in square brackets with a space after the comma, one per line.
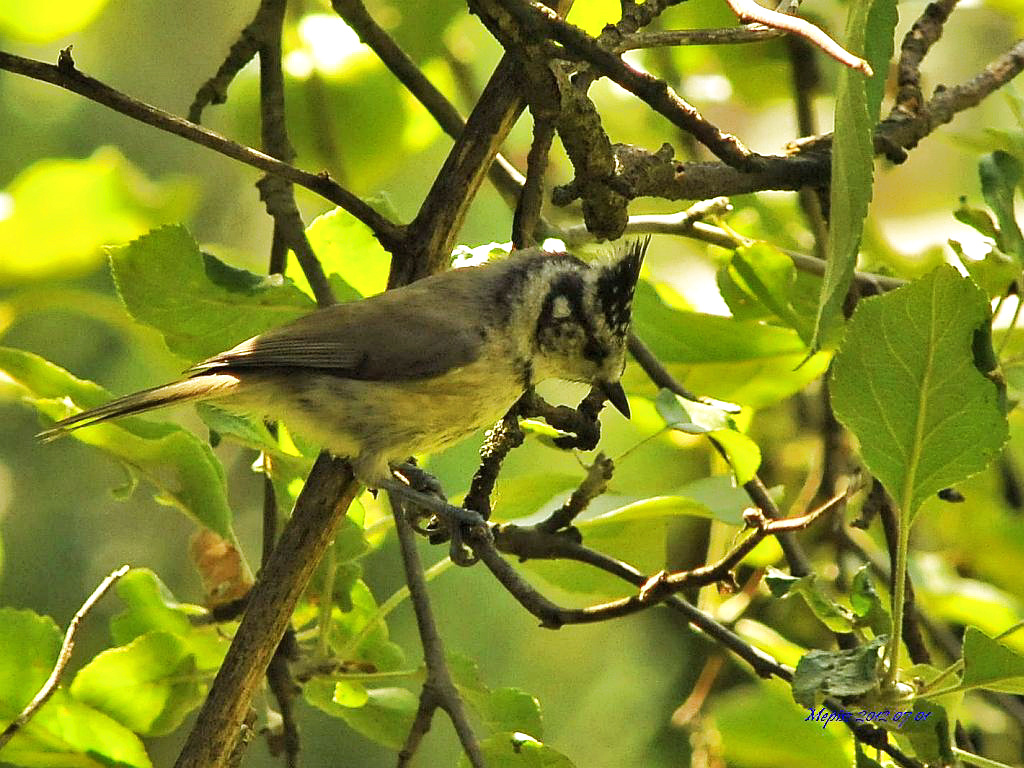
[197, 388]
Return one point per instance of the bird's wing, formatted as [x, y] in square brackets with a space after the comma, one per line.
[384, 337]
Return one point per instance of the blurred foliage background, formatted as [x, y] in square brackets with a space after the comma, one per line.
[76, 176]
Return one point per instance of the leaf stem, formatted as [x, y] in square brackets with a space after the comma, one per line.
[899, 580]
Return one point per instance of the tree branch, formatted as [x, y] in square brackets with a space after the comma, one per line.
[65, 75]
[63, 658]
[438, 689]
[323, 501]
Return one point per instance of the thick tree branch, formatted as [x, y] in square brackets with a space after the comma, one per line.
[652, 91]
[323, 501]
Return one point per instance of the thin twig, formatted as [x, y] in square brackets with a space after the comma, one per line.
[748, 11]
[63, 658]
[65, 75]
[748, 33]
[438, 689]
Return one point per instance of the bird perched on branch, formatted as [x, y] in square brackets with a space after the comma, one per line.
[418, 368]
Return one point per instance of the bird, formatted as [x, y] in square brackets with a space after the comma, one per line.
[418, 368]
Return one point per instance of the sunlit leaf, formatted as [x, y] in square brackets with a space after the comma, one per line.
[906, 384]
[102, 199]
[852, 172]
[182, 468]
[200, 304]
[148, 685]
[518, 750]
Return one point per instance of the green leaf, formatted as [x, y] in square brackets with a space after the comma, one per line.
[149, 685]
[761, 727]
[852, 171]
[725, 500]
[765, 275]
[740, 361]
[150, 607]
[385, 717]
[879, 37]
[867, 603]
[521, 495]
[375, 648]
[200, 304]
[827, 611]
[696, 418]
[503, 709]
[693, 337]
[994, 273]
[906, 384]
[183, 469]
[854, 672]
[348, 248]
[103, 199]
[29, 645]
[67, 733]
[518, 750]
[1000, 174]
[990, 664]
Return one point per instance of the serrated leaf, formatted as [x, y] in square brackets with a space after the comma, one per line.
[148, 685]
[850, 188]
[990, 664]
[906, 384]
[853, 672]
[879, 37]
[201, 305]
[183, 470]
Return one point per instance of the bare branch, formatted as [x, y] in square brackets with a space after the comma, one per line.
[748, 10]
[918, 41]
[323, 501]
[438, 689]
[63, 658]
[65, 75]
[649, 89]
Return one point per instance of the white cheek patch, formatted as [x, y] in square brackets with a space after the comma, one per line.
[560, 308]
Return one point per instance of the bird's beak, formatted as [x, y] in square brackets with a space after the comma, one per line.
[615, 395]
